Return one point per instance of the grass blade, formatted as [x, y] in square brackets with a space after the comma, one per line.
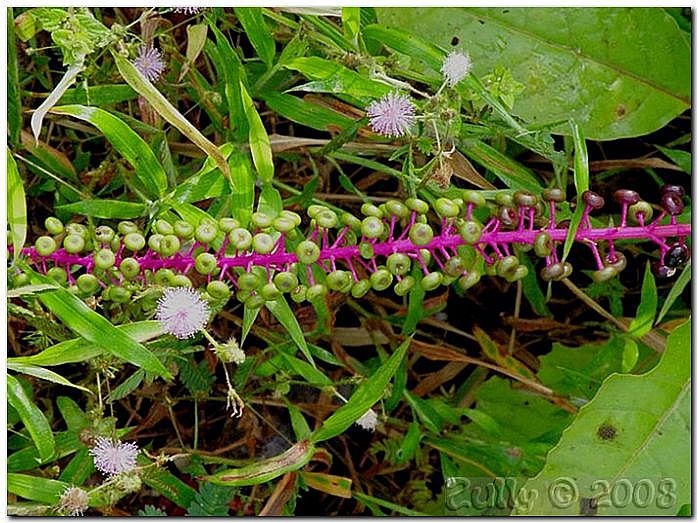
[282, 312]
[644, 318]
[108, 209]
[260, 146]
[44, 374]
[68, 78]
[32, 417]
[676, 290]
[257, 31]
[581, 183]
[35, 488]
[16, 206]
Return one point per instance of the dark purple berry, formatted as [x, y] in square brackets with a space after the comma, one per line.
[626, 196]
[593, 200]
[676, 256]
[673, 189]
[672, 203]
[662, 271]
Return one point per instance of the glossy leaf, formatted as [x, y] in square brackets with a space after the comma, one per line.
[44, 374]
[283, 312]
[257, 31]
[34, 420]
[646, 311]
[36, 488]
[16, 206]
[258, 139]
[109, 209]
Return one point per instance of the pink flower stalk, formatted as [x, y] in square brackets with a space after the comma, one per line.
[182, 312]
[149, 63]
[392, 115]
[111, 457]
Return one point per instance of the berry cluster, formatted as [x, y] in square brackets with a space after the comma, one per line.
[395, 244]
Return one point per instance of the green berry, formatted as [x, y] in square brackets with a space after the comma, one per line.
[299, 294]
[316, 292]
[45, 245]
[404, 286]
[119, 294]
[290, 215]
[372, 227]
[104, 234]
[270, 292]
[164, 227]
[263, 243]
[396, 208]
[154, 241]
[398, 263]
[283, 224]
[180, 280]
[164, 277]
[205, 263]
[261, 220]
[368, 209]
[314, 210]
[421, 234]
[507, 265]
[360, 288]
[327, 219]
[104, 259]
[285, 281]
[242, 295]
[53, 225]
[431, 281]
[206, 232]
[470, 231]
[446, 208]
[76, 228]
[604, 274]
[73, 243]
[183, 230]
[641, 207]
[134, 241]
[307, 252]
[352, 221]
[126, 227]
[454, 266]
[58, 275]
[87, 283]
[417, 205]
[255, 301]
[525, 199]
[340, 281]
[381, 279]
[504, 199]
[620, 262]
[468, 280]
[543, 245]
[249, 281]
[169, 245]
[474, 197]
[228, 224]
[518, 273]
[240, 238]
[130, 268]
[366, 250]
[218, 290]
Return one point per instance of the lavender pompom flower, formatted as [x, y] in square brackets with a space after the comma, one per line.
[368, 420]
[149, 62]
[455, 67]
[392, 115]
[182, 312]
[112, 457]
[74, 501]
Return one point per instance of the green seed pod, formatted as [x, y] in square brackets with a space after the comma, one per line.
[130, 268]
[446, 208]
[164, 277]
[368, 209]
[249, 281]
[119, 294]
[307, 252]
[73, 243]
[327, 219]
[164, 227]
[134, 241]
[255, 301]
[104, 259]
[76, 228]
[641, 207]
[270, 292]
[543, 245]
[352, 221]
[263, 243]
[45, 245]
[58, 275]
[285, 281]
[417, 205]
[470, 231]
[366, 250]
[507, 265]
[316, 292]
[299, 294]
[180, 280]
[314, 210]
[126, 227]
[604, 274]
[525, 199]
[169, 245]
[397, 209]
[206, 232]
[431, 281]
[518, 273]
[87, 284]
[283, 224]
[205, 263]
[372, 227]
[474, 197]
[53, 225]
[381, 279]
[262, 221]
[404, 286]
[218, 290]
[104, 234]
[154, 241]
[183, 230]
[454, 266]
[398, 263]
[421, 234]
[339, 280]
[360, 288]
[228, 224]
[240, 238]
[467, 281]
[290, 215]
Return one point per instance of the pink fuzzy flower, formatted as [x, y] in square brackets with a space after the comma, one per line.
[112, 457]
[149, 62]
[182, 312]
[455, 67]
[392, 115]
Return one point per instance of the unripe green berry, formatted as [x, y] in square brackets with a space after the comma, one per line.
[228, 224]
[261, 220]
[446, 208]
[76, 228]
[104, 234]
[381, 279]
[164, 277]
[299, 294]
[307, 252]
[316, 292]
[474, 197]
[327, 219]
[366, 250]
[397, 209]
[205, 263]
[525, 199]
[604, 274]
[417, 205]
[290, 215]
[518, 273]
[352, 221]
[119, 294]
[249, 281]
[130, 268]
[491, 269]
[58, 275]
[206, 232]
[104, 259]
[314, 210]
[507, 265]
[285, 281]
[620, 262]
[543, 245]
[45, 245]
[470, 231]
[270, 292]
[183, 230]
[134, 241]
[368, 209]
[421, 234]
[360, 288]
[372, 227]
[431, 281]
[454, 266]
[255, 301]
[263, 243]
[398, 263]
[53, 225]
[87, 283]
[218, 290]
[469, 280]
[339, 280]
[504, 199]
[425, 254]
[404, 286]
[641, 207]
[126, 227]
[154, 241]
[181, 280]
[283, 224]
[243, 295]
[240, 238]
[164, 227]
[73, 243]
[169, 245]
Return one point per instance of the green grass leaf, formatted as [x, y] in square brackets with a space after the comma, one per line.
[581, 184]
[14, 100]
[35, 488]
[646, 311]
[257, 31]
[98, 95]
[513, 174]
[676, 290]
[108, 209]
[44, 374]
[16, 206]
[260, 146]
[283, 312]
[32, 417]
[61, 87]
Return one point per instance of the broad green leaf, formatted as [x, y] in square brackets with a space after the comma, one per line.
[628, 76]
[16, 206]
[636, 427]
[351, 23]
[258, 139]
[148, 169]
[79, 468]
[75, 418]
[644, 317]
[165, 109]
[36, 488]
[166, 483]
[127, 386]
[298, 422]
[257, 31]
[44, 374]
[681, 158]
[32, 417]
[283, 312]
[98, 95]
[676, 290]
[581, 184]
[109, 209]
[68, 78]
[363, 398]
[96, 329]
[268, 469]
[305, 113]
[270, 202]
[513, 174]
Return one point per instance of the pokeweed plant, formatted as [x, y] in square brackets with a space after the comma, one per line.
[152, 259]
